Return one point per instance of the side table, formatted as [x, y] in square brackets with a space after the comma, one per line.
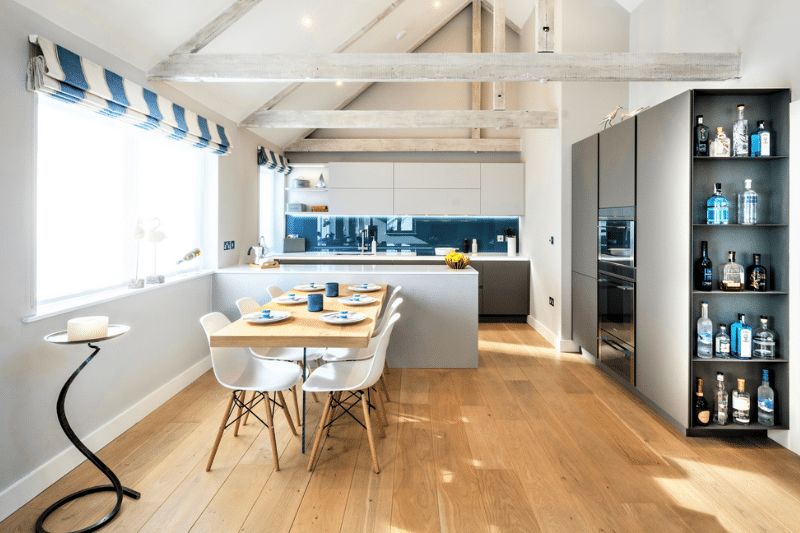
[114, 330]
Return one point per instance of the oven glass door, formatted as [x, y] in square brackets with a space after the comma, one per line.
[616, 310]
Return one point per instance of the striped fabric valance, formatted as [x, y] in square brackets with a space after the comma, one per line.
[273, 161]
[71, 78]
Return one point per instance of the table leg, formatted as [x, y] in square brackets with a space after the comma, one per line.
[305, 363]
[115, 486]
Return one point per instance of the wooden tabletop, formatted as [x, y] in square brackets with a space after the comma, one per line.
[304, 328]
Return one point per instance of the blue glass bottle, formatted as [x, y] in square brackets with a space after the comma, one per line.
[741, 339]
[717, 207]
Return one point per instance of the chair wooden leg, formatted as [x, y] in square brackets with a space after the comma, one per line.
[386, 366]
[368, 423]
[271, 433]
[338, 397]
[247, 414]
[296, 408]
[318, 438]
[385, 390]
[285, 409]
[313, 394]
[381, 413]
[221, 430]
[239, 414]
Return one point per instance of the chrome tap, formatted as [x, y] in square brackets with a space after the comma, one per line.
[363, 247]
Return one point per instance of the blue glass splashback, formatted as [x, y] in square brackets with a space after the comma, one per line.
[418, 234]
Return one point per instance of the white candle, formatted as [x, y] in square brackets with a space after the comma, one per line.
[87, 328]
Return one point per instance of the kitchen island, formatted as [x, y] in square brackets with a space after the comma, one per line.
[439, 324]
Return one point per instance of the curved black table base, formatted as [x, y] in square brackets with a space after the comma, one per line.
[115, 486]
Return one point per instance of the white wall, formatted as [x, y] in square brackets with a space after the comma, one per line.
[581, 26]
[166, 347]
[766, 35]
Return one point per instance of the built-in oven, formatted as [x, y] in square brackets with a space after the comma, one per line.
[616, 291]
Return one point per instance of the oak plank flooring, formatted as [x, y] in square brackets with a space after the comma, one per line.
[532, 440]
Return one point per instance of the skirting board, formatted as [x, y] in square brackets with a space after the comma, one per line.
[562, 345]
[35, 482]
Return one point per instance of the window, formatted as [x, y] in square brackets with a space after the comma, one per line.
[95, 178]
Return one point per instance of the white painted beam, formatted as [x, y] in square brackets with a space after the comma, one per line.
[448, 67]
[476, 49]
[213, 29]
[499, 47]
[405, 145]
[401, 119]
[545, 32]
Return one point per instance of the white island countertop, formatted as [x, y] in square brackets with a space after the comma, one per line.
[388, 257]
[351, 269]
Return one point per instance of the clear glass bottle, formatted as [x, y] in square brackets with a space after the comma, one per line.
[717, 207]
[721, 147]
[722, 343]
[748, 204]
[732, 276]
[756, 276]
[741, 404]
[764, 341]
[702, 413]
[760, 141]
[766, 401]
[701, 135]
[704, 334]
[741, 137]
[702, 270]
[721, 403]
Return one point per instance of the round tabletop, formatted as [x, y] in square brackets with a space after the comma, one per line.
[114, 330]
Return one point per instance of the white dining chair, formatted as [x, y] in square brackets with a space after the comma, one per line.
[274, 291]
[237, 370]
[357, 378]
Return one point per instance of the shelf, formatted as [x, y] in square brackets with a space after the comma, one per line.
[307, 213]
[732, 360]
[770, 158]
[740, 293]
[753, 426]
[740, 225]
[304, 189]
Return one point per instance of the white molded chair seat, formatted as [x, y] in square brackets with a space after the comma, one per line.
[274, 291]
[350, 354]
[249, 305]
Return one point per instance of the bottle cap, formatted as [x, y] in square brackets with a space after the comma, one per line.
[764, 375]
[756, 258]
[719, 130]
[763, 318]
[700, 386]
[760, 123]
[700, 119]
[748, 184]
[740, 384]
[741, 316]
[740, 106]
[717, 186]
[720, 376]
[704, 304]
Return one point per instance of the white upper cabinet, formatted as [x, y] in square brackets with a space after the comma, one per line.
[361, 175]
[502, 189]
[437, 176]
[375, 202]
[437, 201]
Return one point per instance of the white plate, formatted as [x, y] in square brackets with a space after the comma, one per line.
[275, 316]
[285, 300]
[348, 300]
[308, 288]
[333, 318]
[370, 288]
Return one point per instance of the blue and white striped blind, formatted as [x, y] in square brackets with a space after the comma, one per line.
[69, 77]
[273, 161]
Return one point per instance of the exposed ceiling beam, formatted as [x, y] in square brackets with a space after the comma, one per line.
[405, 145]
[499, 47]
[545, 32]
[448, 67]
[490, 9]
[402, 119]
[213, 29]
[476, 49]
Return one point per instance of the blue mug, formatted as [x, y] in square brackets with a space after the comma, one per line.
[315, 302]
[331, 290]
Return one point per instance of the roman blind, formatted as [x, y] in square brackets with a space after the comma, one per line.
[64, 75]
[273, 161]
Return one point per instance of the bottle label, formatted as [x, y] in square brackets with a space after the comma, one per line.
[757, 281]
[746, 347]
[723, 346]
[765, 147]
[741, 404]
[766, 405]
[704, 416]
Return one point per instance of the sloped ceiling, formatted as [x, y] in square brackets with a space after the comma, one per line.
[145, 32]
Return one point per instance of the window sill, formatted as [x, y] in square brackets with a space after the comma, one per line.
[73, 304]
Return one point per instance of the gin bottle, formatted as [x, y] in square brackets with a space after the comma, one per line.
[764, 341]
[721, 404]
[760, 145]
[732, 275]
[756, 275]
[717, 207]
[766, 401]
[721, 147]
[701, 134]
[741, 339]
[704, 335]
[702, 270]
[748, 204]
[722, 343]
[741, 404]
[741, 139]
[702, 413]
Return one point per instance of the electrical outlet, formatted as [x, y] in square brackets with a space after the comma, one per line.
[501, 238]
[228, 245]
[552, 240]
[552, 302]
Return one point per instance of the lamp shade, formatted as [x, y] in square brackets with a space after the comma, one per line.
[87, 328]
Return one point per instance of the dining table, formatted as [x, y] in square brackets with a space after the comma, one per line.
[305, 329]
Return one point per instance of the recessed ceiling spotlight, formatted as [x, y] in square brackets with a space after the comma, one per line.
[306, 21]
[437, 4]
[338, 83]
[400, 34]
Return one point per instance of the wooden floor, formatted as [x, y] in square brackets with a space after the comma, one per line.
[533, 440]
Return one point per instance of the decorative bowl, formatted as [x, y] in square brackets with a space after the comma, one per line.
[458, 265]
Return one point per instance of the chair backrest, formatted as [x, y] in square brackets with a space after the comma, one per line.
[378, 360]
[386, 310]
[247, 305]
[274, 291]
[383, 322]
[228, 363]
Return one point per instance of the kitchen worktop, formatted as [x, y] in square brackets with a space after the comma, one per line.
[383, 256]
[350, 269]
